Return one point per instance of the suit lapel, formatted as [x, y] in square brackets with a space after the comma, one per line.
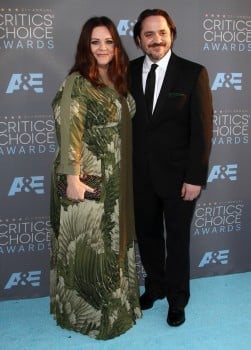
[137, 77]
[166, 86]
[138, 87]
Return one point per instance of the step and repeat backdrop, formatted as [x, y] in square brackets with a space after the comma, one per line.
[37, 48]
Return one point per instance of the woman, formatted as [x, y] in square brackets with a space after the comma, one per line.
[94, 286]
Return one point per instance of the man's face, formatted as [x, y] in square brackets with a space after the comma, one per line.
[155, 37]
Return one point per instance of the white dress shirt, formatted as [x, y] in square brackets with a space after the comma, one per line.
[159, 74]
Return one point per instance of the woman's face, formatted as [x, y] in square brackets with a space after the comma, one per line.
[102, 46]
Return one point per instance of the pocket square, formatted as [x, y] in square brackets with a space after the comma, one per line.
[175, 94]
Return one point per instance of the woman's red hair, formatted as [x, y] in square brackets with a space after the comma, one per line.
[86, 64]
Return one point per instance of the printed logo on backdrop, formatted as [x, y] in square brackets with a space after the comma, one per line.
[219, 257]
[28, 184]
[26, 28]
[26, 135]
[125, 27]
[223, 172]
[24, 235]
[226, 33]
[232, 81]
[231, 127]
[24, 279]
[217, 218]
[26, 82]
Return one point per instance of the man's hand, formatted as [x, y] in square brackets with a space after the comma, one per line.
[190, 192]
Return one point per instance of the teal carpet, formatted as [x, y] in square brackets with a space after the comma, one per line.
[218, 317]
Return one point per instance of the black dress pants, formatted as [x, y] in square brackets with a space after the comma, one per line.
[163, 234]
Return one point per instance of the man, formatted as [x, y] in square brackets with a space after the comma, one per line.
[171, 141]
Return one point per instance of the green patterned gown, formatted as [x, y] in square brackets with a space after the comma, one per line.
[94, 286]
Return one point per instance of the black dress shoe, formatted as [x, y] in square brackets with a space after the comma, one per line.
[175, 317]
[147, 301]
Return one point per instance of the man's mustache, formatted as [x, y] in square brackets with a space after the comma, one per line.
[157, 44]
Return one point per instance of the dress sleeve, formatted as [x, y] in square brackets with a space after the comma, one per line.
[131, 105]
[70, 125]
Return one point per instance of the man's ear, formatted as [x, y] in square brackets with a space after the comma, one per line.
[138, 41]
[172, 38]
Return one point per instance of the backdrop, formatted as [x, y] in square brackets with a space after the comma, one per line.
[37, 48]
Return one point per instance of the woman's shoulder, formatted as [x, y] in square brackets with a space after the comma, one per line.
[77, 79]
[80, 86]
[72, 82]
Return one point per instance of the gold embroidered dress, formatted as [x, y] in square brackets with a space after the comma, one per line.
[94, 286]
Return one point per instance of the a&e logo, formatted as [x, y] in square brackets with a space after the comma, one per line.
[26, 82]
[223, 172]
[125, 27]
[27, 184]
[228, 81]
[215, 257]
[23, 279]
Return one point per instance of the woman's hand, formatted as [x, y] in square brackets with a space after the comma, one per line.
[76, 189]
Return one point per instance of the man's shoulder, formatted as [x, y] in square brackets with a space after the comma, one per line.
[186, 62]
[137, 61]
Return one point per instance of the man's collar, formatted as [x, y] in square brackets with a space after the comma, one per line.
[163, 62]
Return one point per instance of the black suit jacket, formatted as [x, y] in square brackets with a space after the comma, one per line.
[173, 145]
